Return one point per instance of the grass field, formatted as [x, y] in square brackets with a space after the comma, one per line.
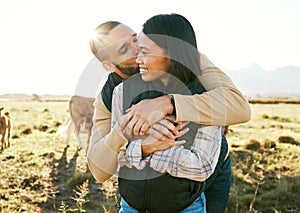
[39, 174]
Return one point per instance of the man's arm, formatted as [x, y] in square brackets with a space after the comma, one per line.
[105, 143]
[222, 105]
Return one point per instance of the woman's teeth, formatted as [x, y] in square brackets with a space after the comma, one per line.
[143, 70]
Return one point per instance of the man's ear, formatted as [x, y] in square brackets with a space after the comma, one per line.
[108, 66]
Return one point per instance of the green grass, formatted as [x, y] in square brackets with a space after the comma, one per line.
[39, 174]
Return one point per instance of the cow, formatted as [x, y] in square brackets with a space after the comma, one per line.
[5, 128]
[81, 113]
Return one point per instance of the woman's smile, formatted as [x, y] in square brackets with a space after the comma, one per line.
[143, 70]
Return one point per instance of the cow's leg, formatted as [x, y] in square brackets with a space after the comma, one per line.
[8, 136]
[89, 137]
[2, 130]
[77, 133]
[70, 128]
[2, 141]
[1, 148]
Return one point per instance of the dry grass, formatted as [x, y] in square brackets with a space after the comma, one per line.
[274, 101]
[38, 174]
[266, 161]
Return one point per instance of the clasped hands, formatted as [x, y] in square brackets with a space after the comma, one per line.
[148, 121]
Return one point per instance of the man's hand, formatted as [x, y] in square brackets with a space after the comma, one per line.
[126, 128]
[147, 112]
[162, 130]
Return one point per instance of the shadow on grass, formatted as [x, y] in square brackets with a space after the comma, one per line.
[61, 172]
[65, 181]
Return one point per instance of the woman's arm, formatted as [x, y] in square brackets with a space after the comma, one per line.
[138, 152]
[196, 163]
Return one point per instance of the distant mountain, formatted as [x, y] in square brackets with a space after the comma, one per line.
[256, 81]
[33, 97]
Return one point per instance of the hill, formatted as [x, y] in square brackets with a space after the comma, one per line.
[33, 97]
[255, 81]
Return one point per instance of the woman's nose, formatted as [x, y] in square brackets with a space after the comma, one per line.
[139, 59]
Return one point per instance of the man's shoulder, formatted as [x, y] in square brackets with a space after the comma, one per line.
[205, 62]
[112, 81]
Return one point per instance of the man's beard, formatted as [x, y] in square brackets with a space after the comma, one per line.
[128, 70]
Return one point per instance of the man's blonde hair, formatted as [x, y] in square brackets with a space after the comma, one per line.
[96, 43]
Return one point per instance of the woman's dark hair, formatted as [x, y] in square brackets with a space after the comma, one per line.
[175, 34]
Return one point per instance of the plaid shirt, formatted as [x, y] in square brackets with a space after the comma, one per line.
[196, 163]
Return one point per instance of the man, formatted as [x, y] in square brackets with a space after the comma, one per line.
[114, 44]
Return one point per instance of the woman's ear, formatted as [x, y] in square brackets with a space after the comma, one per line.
[108, 66]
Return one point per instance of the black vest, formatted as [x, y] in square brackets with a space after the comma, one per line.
[148, 190]
[112, 81]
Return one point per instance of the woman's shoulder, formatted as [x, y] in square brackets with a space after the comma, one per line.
[119, 88]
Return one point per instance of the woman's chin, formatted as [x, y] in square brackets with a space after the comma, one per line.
[145, 78]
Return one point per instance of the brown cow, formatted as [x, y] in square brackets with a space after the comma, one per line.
[5, 127]
[81, 113]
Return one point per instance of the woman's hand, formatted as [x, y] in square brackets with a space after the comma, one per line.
[151, 144]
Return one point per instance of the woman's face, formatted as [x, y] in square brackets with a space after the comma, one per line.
[152, 60]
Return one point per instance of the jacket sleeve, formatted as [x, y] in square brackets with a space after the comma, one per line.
[196, 163]
[105, 143]
[222, 105]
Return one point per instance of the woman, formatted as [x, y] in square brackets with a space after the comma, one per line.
[169, 63]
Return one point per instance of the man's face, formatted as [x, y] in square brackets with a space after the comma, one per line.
[122, 50]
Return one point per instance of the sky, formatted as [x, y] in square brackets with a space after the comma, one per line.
[44, 45]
